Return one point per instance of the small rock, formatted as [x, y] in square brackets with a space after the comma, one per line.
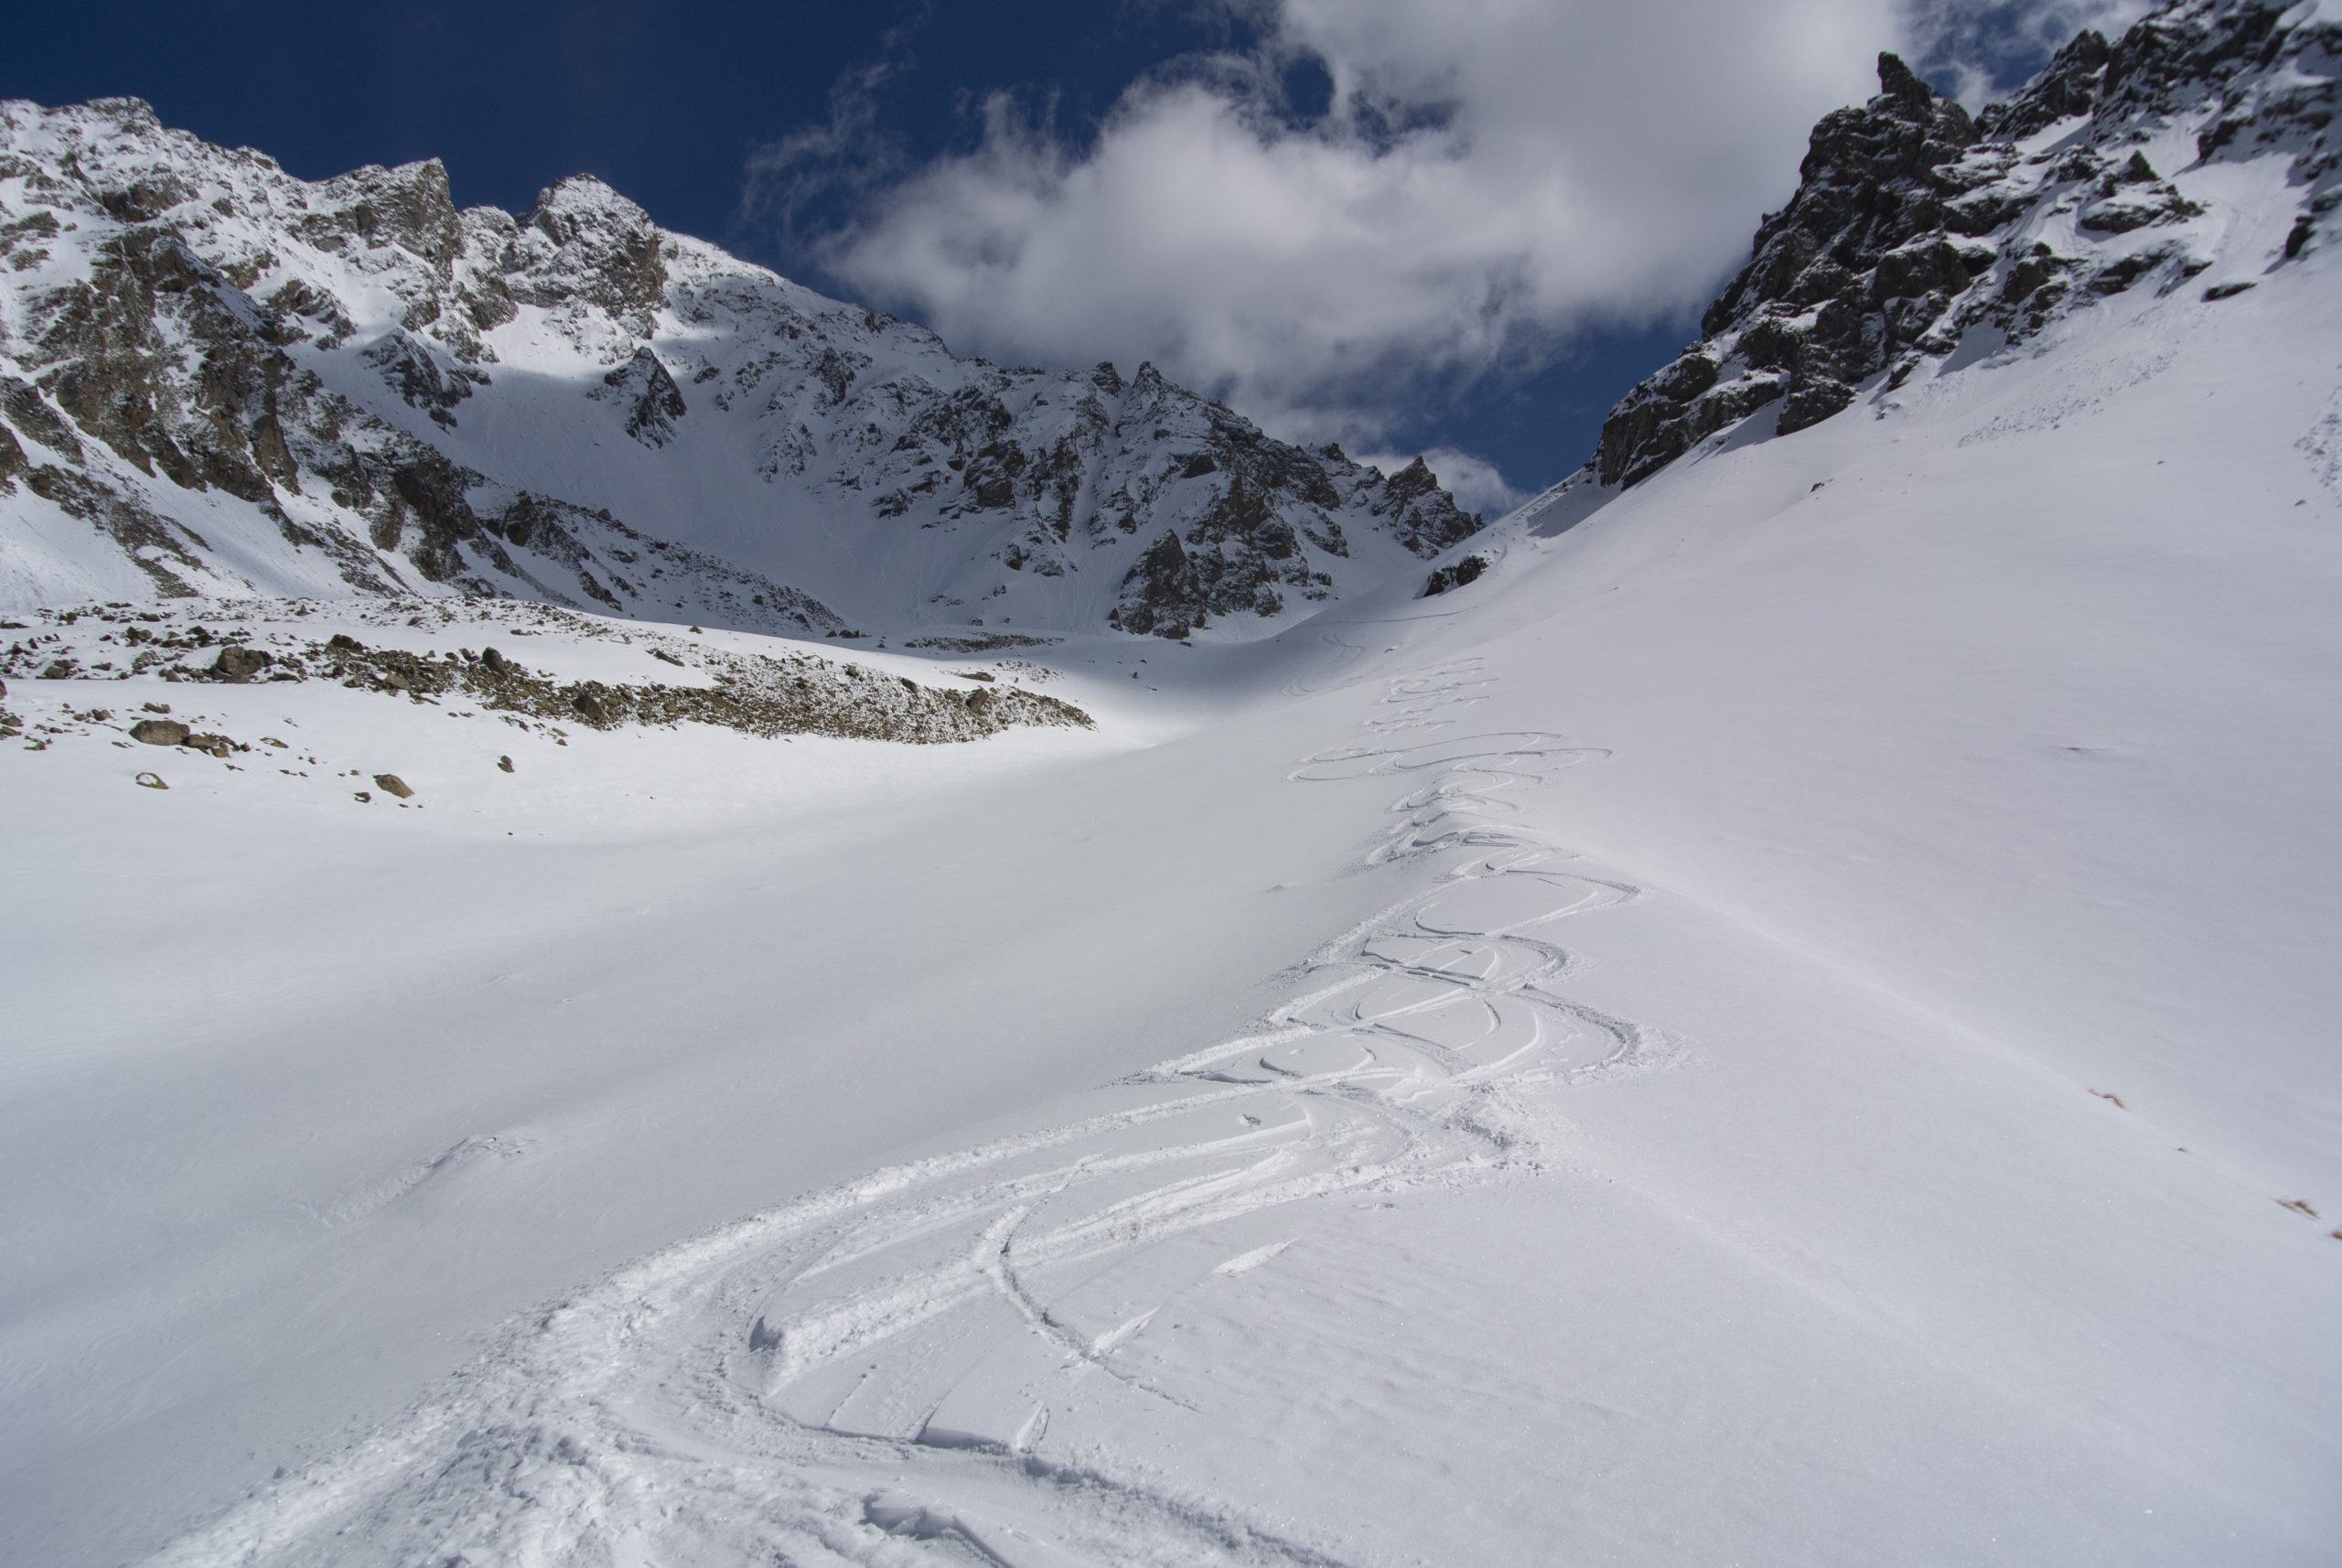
[159, 732]
[345, 643]
[1463, 573]
[240, 663]
[150, 781]
[495, 661]
[62, 669]
[362, 798]
[391, 784]
[589, 707]
[150, 707]
[504, 764]
[216, 744]
[661, 654]
[394, 681]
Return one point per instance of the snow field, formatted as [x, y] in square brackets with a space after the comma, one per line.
[1790, 1022]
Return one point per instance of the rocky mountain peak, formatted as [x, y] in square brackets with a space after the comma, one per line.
[584, 242]
[2068, 85]
[1915, 229]
[410, 207]
[585, 205]
[350, 385]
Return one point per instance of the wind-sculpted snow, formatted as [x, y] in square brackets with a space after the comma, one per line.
[892, 1371]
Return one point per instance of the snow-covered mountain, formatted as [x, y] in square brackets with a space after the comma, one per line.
[217, 378]
[1920, 238]
[1783, 1016]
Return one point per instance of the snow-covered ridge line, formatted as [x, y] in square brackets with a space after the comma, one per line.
[1918, 231]
[217, 379]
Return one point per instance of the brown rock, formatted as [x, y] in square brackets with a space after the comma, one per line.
[391, 784]
[159, 732]
[504, 764]
[240, 663]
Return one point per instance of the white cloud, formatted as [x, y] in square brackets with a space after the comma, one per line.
[1557, 165]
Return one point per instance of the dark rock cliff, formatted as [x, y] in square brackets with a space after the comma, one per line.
[1913, 226]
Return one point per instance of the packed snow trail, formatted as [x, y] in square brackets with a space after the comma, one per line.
[867, 1374]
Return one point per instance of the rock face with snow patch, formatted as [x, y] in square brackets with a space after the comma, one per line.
[218, 378]
[1914, 228]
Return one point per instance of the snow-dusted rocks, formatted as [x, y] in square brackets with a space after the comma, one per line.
[351, 387]
[572, 674]
[1915, 230]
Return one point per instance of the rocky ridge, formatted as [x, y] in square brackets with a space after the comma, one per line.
[1916, 230]
[71, 652]
[217, 378]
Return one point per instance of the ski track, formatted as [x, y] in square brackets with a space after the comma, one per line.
[823, 1383]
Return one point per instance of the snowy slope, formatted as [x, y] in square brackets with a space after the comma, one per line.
[1786, 1021]
[220, 379]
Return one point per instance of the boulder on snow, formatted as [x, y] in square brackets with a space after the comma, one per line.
[1454, 575]
[159, 732]
[391, 784]
[236, 663]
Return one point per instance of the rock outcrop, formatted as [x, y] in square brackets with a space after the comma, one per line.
[1914, 227]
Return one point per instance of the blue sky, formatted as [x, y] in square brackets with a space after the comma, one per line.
[1464, 226]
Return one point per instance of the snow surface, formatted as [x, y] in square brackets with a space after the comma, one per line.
[1790, 1021]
